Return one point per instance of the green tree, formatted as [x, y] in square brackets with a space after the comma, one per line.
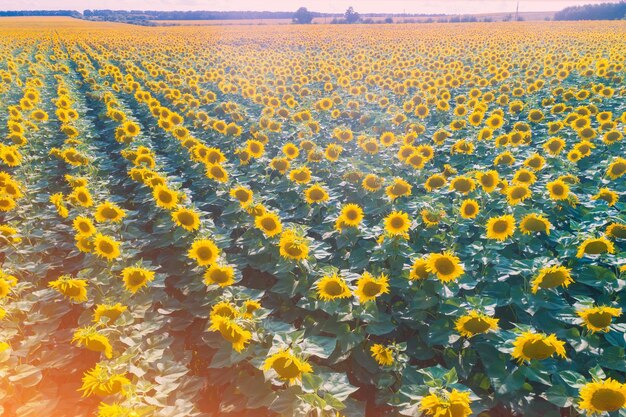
[302, 16]
[351, 16]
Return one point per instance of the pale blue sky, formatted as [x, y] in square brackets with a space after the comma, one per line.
[363, 6]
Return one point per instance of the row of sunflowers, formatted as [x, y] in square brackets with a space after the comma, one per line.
[312, 221]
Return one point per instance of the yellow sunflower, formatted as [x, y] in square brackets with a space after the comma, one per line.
[222, 275]
[398, 188]
[269, 223]
[598, 319]
[383, 355]
[435, 181]
[351, 216]
[500, 228]
[474, 323]
[616, 230]
[164, 197]
[463, 184]
[595, 246]
[419, 269]
[558, 189]
[444, 403]
[610, 196]
[469, 209]
[315, 194]
[231, 331]
[552, 277]
[186, 218]
[617, 168]
[598, 397]
[537, 346]
[287, 366]
[72, 288]
[136, 278]
[445, 265]
[369, 287]
[94, 341]
[99, 381]
[106, 247]
[293, 246]
[372, 182]
[243, 195]
[533, 223]
[332, 287]
[397, 223]
[84, 226]
[108, 211]
[109, 311]
[488, 180]
[204, 252]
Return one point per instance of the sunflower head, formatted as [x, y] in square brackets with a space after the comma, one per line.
[231, 331]
[501, 228]
[383, 355]
[598, 319]
[552, 277]
[287, 366]
[475, 323]
[332, 287]
[370, 287]
[537, 346]
[598, 397]
[204, 252]
[446, 403]
[595, 246]
[445, 266]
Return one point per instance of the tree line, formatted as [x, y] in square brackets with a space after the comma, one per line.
[603, 11]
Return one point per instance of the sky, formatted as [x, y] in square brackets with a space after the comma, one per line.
[329, 6]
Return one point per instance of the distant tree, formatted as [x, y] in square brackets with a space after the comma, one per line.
[351, 16]
[389, 19]
[603, 11]
[302, 16]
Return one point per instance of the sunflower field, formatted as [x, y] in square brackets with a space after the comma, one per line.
[321, 221]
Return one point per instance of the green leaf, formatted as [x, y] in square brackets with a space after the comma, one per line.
[557, 395]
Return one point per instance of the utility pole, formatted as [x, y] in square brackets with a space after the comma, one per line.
[517, 11]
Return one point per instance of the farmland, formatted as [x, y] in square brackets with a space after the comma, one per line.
[316, 220]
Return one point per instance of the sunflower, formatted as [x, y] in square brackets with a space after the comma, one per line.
[290, 150]
[469, 209]
[72, 288]
[500, 228]
[84, 226]
[300, 175]
[419, 269]
[81, 196]
[616, 230]
[463, 184]
[432, 218]
[488, 180]
[216, 172]
[280, 164]
[164, 197]
[204, 252]
[595, 246]
[398, 188]
[315, 194]
[372, 182]
[610, 196]
[242, 194]
[598, 319]
[94, 341]
[552, 277]
[136, 278]
[109, 311]
[524, 177]
[538, 346]
[617, 168]
[351, 216]
[293, 246]
[186, 218]
[445, 265]
[554, 146]
[517, 193]
[332, 287]
[397, 223]
[106, 247]
[108, 211]
[475, 323]
[444, 403]
[249, 307]
[533, 223]
[224, 309]
[435, 181]
[287, 366]
[598, 397]
[99, 381]
[269, 223]
[231, 331]
[383, 355]
[222, 275]
[369, 287]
